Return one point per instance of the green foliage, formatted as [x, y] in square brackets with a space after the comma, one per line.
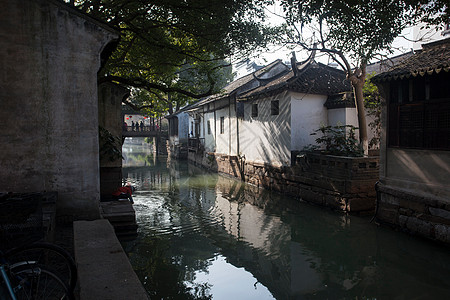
[176, 49]
[372, 103]
[337, 140]
[363, 28]
[110, 145]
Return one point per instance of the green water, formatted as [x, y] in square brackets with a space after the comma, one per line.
[206, 236]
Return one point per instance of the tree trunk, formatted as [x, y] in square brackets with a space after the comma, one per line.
[358, 81]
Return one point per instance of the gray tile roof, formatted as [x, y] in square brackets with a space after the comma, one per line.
[240, 83]
[312, 78]
[433, 58]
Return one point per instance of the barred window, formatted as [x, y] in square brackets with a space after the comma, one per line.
[222, 125]
[419, 116]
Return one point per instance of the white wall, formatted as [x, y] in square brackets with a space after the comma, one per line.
[226, 143]
[210, 138]
[348, 116]
[266, 138]
[308, 114]
[183, 127]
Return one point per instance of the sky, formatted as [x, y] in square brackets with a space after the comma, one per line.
[402, 44]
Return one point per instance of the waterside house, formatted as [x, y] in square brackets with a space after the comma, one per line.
[414, 184]
[255, 130]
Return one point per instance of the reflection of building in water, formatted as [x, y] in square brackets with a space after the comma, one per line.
[263, 244]
[295, 250]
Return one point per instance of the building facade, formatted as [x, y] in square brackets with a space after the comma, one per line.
[415, 158]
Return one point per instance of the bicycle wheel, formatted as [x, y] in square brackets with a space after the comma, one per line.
[37, 283]
[52, 257]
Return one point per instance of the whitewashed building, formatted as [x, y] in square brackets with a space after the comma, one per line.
[178, 134]
[279, 117]
[267, 117]
[213, 122]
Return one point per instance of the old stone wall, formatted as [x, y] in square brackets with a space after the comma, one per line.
[425, 216]
[341, 183]
[110, 118]
[49, 57]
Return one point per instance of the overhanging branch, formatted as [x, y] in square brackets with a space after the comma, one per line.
[149, 86]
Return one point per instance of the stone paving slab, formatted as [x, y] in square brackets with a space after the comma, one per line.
[104, 270]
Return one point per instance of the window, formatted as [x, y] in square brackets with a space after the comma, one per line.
[274, 107]
[254, 110]
[420, 119]
[209, 126]
[222, 125]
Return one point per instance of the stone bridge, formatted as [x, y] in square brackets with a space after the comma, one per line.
[143, 131]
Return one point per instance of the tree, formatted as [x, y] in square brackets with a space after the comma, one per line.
[354, 32]
[372, 105]
[163, 40]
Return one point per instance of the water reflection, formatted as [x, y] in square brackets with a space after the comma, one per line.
[205, 236]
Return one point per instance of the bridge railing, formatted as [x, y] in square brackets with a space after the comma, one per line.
[141, 128]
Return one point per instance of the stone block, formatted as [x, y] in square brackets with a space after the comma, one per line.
[442, 213]
[414, 205]
[418, 226]
[442, 233]
[387, 215]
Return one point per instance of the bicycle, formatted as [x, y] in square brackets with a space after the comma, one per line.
[21, 222]
[25, 280]
[52, 256]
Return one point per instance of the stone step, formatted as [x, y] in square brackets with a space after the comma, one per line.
[104, 271]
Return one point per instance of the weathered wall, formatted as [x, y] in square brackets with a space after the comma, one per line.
[50, 56]
[266, 138]
[226, 141]
[110, 118]
[308, 114]
[421, 171]
[426, 216]
[414, 188]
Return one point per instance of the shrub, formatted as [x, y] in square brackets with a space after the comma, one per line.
[337, 140]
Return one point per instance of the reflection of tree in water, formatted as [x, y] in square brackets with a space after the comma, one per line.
[161, 274]
[293, 249]
[167, 264]
[146, 159]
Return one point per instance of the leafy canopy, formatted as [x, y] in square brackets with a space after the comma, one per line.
[360, 29]
[178, 47]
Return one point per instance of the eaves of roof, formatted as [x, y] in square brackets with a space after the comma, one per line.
[311, 78]
[433, 58]
[234, 86]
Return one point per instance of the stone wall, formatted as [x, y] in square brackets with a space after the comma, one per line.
[425, 216]
[341, 183]
[110, 117]
[49, 57]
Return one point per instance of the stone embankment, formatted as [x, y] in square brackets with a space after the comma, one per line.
[342, 183]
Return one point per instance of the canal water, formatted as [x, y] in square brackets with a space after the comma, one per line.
[207, 236]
